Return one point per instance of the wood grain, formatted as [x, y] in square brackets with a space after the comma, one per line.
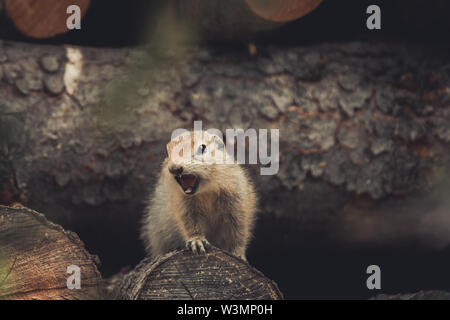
[182, 275]
[34, 256]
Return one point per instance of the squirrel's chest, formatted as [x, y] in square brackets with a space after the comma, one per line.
[218, 229]
[215, 215]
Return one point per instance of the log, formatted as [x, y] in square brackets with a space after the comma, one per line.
[34, 256]
[181, 275]
[83, 131]
[212, 19]
[42, 18]
[282, 11]
[240, 19]
[421, 295]
[219, 20]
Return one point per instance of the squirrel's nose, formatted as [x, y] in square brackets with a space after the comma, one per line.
[175, 170]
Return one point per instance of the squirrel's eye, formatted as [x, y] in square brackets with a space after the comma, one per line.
[201, 149]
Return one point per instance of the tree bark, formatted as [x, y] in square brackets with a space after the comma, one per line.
[34, 256]
[83, 130]
[181, 275]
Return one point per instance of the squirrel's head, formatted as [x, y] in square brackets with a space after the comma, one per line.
[195, 160]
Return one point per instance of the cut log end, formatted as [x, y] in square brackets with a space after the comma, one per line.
[42, 18]
[181, 275]
[35, 255]
[282, 11]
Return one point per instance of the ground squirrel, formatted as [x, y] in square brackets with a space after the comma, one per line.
[199, 202]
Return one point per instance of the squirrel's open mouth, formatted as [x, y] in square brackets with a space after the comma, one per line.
[188, 182]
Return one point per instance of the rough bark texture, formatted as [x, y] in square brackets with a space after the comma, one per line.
[421, 295]
[364, 118]
[83, 130]
[182, 276]
[35, 254]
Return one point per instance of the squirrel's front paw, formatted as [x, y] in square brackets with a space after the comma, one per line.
[198, 245]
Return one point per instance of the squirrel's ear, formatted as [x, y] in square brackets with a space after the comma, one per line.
[220, 145]
[179, 145]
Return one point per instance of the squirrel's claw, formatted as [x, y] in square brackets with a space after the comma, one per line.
[197, 245]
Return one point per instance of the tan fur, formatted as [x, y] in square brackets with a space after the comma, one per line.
[221, 212]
